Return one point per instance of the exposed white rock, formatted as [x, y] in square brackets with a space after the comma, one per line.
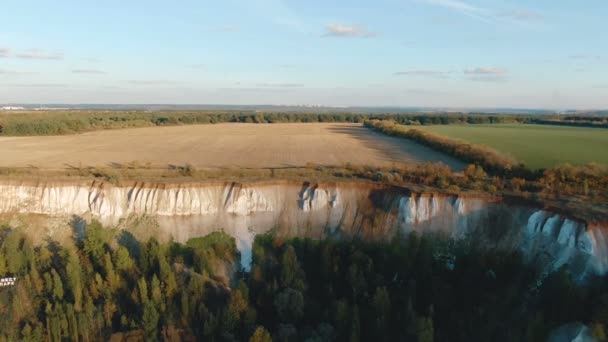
[536, 222]
[568, 233]
[245, 210]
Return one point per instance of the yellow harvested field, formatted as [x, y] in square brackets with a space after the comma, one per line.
[219, 145]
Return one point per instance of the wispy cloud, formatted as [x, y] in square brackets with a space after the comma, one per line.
[279, 85]
[14, 72]
[4, 52]
[39, 54]
[258, 90]
[278, 12]
[463, 8]
[422, 91]
[88, 71]
[424, 73]
[91, 59]
[485, 71]
[486, 74]
[347, 31]
[521, 17]
[152, 82]
[487, 78]
[40, 85]
[584, 56]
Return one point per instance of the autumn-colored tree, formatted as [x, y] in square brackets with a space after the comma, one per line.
[260, 335]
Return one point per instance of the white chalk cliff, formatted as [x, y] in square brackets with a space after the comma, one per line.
[343, 209]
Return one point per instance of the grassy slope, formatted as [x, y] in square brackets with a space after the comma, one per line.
[538, 146]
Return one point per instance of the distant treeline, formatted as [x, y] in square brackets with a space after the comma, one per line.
[575, 121]
[71, 122]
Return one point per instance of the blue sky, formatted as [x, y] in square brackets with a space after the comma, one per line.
[456, 53]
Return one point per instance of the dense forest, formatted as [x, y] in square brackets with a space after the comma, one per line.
[58, 123]
[107, 285]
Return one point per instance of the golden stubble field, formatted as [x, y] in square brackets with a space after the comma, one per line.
[217, 146]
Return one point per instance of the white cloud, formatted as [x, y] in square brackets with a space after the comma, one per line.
[152, 82]
[486, 71]
[40, 85]
[14, 72]
[463, 8]
[39, 54]
[279, 85]
[424, 73]
[347, 31]
[521, 15]
[585, 56]
[488, 78]
[486, 74]
[4, 52]
[88, 71]
[487, 15]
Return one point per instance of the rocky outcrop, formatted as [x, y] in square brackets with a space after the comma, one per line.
[362, 210]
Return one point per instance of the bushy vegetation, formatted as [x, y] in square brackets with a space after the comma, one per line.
[414, 288]
[576, 121]
[488, 158]
[587, 181]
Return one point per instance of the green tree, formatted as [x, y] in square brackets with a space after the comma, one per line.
[382, 311]
[3, 268]
[57, 285]
[355, 326]
[289, 305]
[292, 274]
[149, 321]
[143, 290]
[123, 260]
[74, 279]
[424, 329]
[156, 292]
[95, 241]
[260, 335]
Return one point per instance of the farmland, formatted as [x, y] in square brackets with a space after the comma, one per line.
[219, 146]
[538, 146]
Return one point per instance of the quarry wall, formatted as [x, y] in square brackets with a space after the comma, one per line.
[343, 210]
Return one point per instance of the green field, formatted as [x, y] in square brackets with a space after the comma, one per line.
[538, 146]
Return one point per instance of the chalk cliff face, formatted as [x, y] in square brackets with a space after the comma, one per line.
[343, 209]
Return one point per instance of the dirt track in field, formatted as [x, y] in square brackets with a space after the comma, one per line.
[219, 145]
